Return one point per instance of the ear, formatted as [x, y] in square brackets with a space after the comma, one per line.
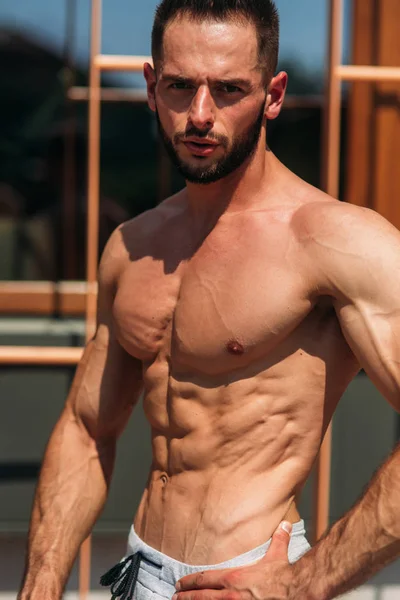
[151, 80]
[276, 95]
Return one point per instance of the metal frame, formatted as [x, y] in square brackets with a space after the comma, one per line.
[98, 62]
[337, 73]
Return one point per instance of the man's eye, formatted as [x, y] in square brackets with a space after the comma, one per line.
[180, 85]
[230, 89]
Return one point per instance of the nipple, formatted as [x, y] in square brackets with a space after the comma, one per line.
[235, 348]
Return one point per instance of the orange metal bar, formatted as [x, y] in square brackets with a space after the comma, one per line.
[93, 170]
[365, 73]
[110, 62]
[81, 94]
[69, 257]
[40, 356]
[330, 178]
[330, 182]
[92, 240]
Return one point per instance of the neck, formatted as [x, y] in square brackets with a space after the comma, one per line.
[242, 190]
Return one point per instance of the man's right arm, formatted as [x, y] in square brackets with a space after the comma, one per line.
[79, 458]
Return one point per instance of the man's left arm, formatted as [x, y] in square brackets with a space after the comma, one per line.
[359, 545]
[357, 257]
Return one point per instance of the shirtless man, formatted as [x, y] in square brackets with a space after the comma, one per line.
[242, 307]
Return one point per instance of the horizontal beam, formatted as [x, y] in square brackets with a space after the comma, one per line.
[364, 73]
[110, 62]
[43, 297]
[81, 94]
[113, 62]
[293, 101]
[39, 356]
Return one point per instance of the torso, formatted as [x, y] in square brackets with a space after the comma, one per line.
[243, 362]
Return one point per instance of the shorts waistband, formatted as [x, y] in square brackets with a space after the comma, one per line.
[136, 544]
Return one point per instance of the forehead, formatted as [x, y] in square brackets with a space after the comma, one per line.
[210, 48]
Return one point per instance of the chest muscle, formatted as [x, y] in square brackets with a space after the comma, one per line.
[213, 314]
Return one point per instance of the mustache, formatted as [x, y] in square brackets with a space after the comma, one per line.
[201, 133]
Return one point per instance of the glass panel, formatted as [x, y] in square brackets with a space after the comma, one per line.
[43, 205]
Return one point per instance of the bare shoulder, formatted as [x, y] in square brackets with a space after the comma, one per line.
[136, 237]
[339, 238]
[324, 218]
[154, 220]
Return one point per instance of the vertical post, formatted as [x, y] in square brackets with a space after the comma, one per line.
[332, 108]
[92, 228]
[93, 170]
[360, 134]
[330, 183]
[69, 260]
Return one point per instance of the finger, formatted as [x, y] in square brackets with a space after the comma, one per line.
[279, 547]
[214, 580]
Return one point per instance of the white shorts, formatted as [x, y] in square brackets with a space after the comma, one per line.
[151, 575]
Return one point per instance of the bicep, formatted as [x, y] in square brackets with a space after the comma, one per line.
[372, 330]
[108, 381]
[356, 254]
[106, 386]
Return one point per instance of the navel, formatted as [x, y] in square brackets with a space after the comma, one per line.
[164, 479]
[235, 347]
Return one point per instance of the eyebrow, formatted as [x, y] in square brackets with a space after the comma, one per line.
[235, 82]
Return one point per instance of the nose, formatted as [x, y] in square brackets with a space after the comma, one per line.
[202, 109]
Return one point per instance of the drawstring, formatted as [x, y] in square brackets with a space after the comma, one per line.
[123, 577]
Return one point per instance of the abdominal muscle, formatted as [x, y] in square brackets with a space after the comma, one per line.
[227, 464]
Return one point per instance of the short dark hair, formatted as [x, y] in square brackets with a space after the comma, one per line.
[263, 13]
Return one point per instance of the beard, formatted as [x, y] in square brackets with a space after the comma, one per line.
[242, 149]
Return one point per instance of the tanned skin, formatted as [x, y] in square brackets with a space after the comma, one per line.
[243, 309]
[358, 546]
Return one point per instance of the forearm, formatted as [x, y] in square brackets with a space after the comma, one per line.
[360, 544]
[71, 492]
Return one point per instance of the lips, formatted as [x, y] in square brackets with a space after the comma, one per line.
[200, 147]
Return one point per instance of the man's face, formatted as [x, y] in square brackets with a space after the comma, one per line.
[209, 97]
